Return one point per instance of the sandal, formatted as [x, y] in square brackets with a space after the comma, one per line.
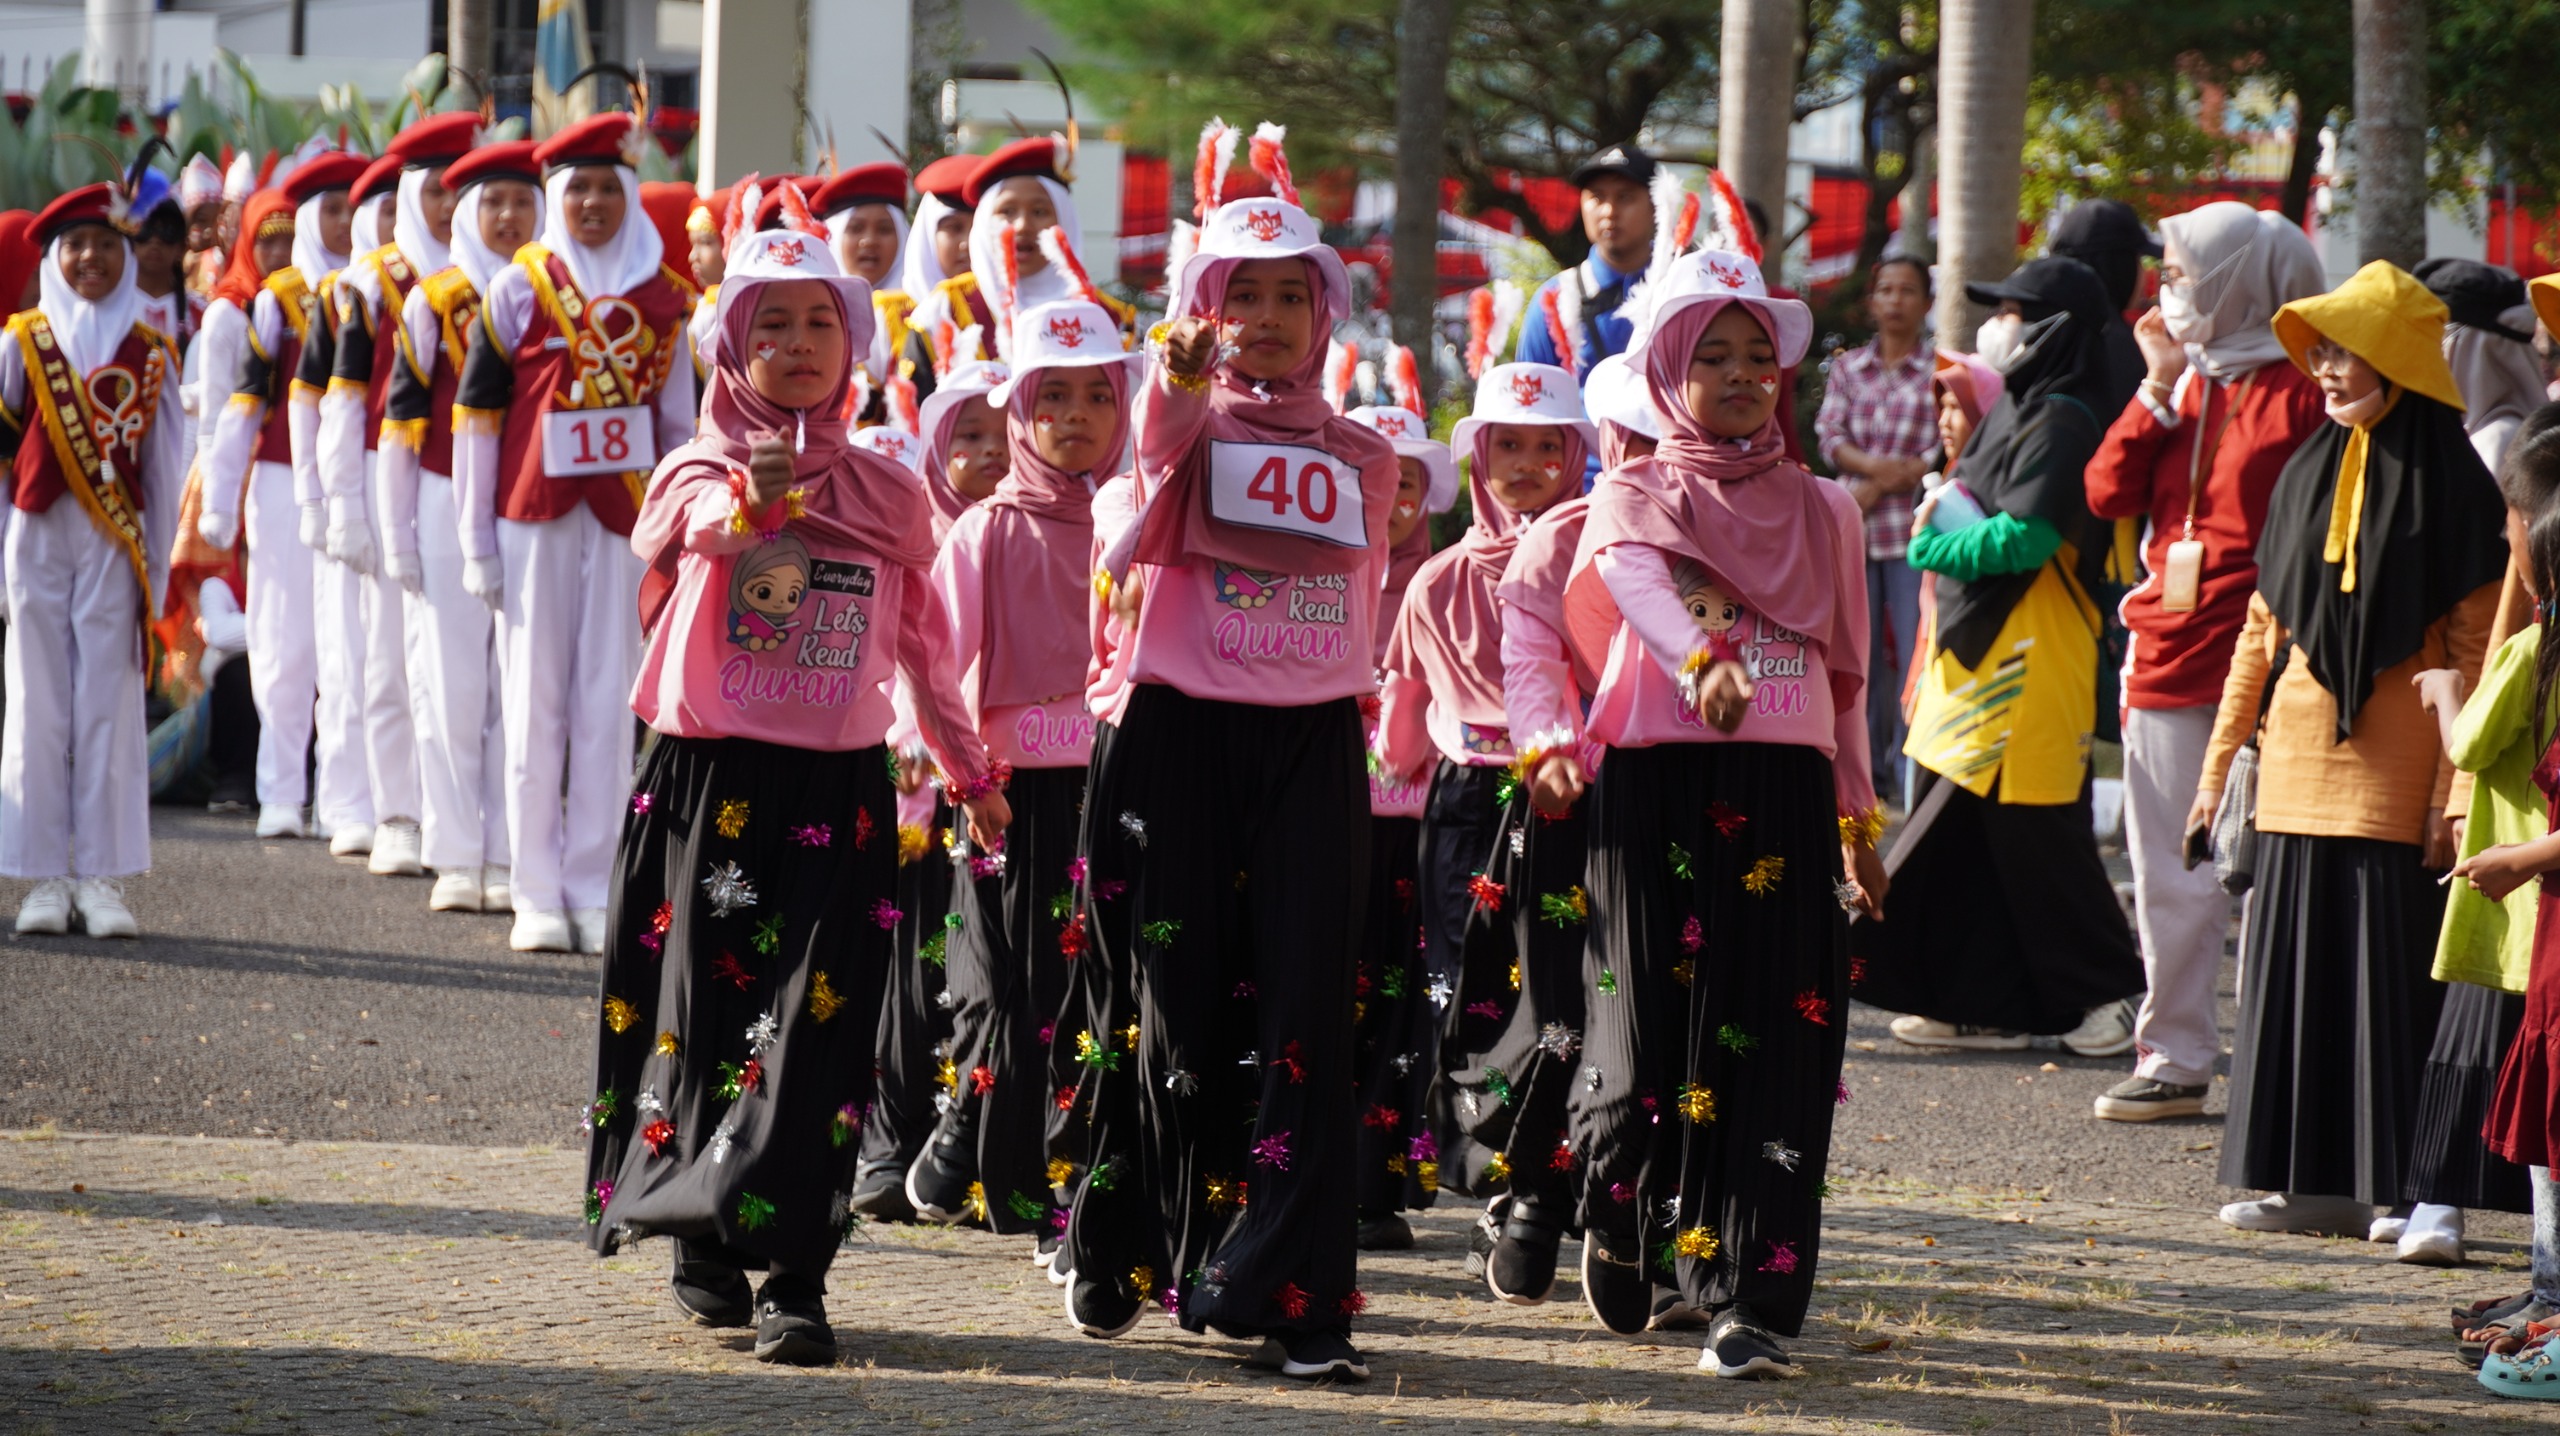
[2511, 1331]
[2488, 1309]
[2531, 1375]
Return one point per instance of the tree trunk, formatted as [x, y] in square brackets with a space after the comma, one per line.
[2308, 116]
[2391, 131]
[1983, 53]
[1918, 192]
[468, 30]
[1755, 105]
[1422, 119]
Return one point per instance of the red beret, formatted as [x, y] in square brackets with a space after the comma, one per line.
[595, 140]
[382, 175]
[335, 170]
[508, 159]
[1035, 156]
[769, 204]
[882, 183]
[89, 204]
[946, 177]
[439, 139]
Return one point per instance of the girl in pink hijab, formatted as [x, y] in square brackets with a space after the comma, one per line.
[1015, 576]
[1719, 592]
[1229, 813]
[751, 929]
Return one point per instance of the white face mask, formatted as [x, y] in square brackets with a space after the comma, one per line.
[2178, 311]
[1997, 341]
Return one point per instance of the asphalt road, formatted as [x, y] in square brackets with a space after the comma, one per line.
[278, 992]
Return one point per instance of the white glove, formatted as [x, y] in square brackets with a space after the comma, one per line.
[218, 529]
[314, 531]
[350, 538]
[485, 579]
[403, 569]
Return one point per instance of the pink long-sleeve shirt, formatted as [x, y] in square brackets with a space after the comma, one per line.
[1057, 731]
[818, 677]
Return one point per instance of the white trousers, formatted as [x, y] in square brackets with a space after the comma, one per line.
[2183, 917]
[284, 671]
[453, 679]
[344, 795]
[75, 761]
[569, 643]
[390, 725]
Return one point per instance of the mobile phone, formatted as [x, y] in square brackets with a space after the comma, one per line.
[2199, 846]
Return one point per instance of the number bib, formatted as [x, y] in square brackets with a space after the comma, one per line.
[1287, 488]
[577, 443]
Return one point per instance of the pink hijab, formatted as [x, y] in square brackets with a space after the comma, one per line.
[1403, 562]
[948, 503]
[852, 496]
[1457, 643]
[1175, 527]
[1757, 521]
[1534, 582]
[1039, 537]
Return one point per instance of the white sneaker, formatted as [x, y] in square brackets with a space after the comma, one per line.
[497, 889]
[398, 850]
[456, 891]
[47, 908]
[281, 820]
[2434, 1237]
[2104, 1031]
[1930, 1032]
[2390, 1227]
[351, 841]
[2295, 1212]
[588, 922]
[102, 909]
[542, 932]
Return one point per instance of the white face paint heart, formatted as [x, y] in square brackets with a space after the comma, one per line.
[1555, 470]
[766, 352]
[1406, 511]
[1768, 386]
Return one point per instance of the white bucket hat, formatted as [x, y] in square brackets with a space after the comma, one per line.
[1068, 334]
[774, 254]
[896, 445]
[973, 380]
[1708, 275]
[1259, 229]
[1407, 433]
[1617, 394]
[1526, 394]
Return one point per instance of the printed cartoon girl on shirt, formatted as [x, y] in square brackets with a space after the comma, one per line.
[1711, 608]
[765, 588]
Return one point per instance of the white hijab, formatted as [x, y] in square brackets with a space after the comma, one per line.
[896, 276]
[2498, 376]
[2242, 266]
[316, 261]
[89, 333]
[473, 256]
[921, 269]
[986, 260]
[418, 244]
[619, 265]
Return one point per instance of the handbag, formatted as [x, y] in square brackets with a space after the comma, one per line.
[2235, 818]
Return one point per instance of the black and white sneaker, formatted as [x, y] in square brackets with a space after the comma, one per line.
[938, 1184]
[2148, 1099]
[1100, 1308]
[1738, 1350]
[1522, 1266]
[1386, 1232]
[1614, 1284]
[1672, 1312]
[712, 1295]
[794, 1332]
[1044, 1250]
[1481, 1237]
[880, 1195]
[1314, 1355]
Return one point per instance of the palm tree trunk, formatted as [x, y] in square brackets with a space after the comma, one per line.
[1983, 52]
[468, 40]
[1755, 105]
[2391, 131]
[1422, 118]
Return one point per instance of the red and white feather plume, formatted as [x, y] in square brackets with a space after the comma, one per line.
[1340, 362]
[904, 412]
[1479, 330]
[1209, 169]
[1272, 162]
[739, 220]
[1560, 307]
[1062, 257]
[795, 212]
[1732, 226]
[1404, 379]
[1000, 304]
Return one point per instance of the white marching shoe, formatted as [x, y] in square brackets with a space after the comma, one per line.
[542, 932]
[398, 850]
[351, 840]
[281, 820]
[456, 891]
[102, 909]
[497, 889]
[588, 922]
[47, 908]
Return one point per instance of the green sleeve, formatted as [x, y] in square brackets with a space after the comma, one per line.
[2495, 716]
[2002, 543]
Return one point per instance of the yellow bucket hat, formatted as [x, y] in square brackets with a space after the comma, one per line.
[2383, 316]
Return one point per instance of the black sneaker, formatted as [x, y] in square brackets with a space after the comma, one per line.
[1045, 1249]
[1672, 1312]
[1738, 1350]
[1522, 1267]
[1481, 1237]
[1314, 1355]
[712, 1294]
[793, 1331]
[880, 1195]
[1614, 1284]
[1387, 1232]
[1100, 1308]
[2148, 1099]
[938, 1184]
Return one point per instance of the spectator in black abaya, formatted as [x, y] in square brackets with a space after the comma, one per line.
[2108, 236]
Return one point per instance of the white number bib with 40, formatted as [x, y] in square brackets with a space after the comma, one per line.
[580, 442]
[1287, 488]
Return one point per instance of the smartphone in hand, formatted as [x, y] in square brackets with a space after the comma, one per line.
[2199, 847]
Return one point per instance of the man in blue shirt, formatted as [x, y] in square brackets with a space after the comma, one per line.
[1617, 217]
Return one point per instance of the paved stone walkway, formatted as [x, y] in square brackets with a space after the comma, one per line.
[159, 1283]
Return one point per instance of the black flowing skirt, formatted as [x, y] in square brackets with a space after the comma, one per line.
[915, 1016]
[746, 947]
[1717, 1004]
[2001, 916]
[1467, 960]
[1393, 1015]
[2336, 1013]
[2448, 1162]
[1222, 1144]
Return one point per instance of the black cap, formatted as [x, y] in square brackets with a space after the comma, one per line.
[1625, 161]
[2046, 283]
[2101, 226]
[2476, 294]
